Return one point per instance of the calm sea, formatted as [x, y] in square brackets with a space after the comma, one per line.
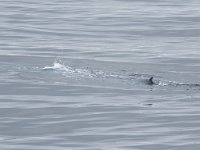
[74, 75]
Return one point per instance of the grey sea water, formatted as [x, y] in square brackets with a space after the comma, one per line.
[74, 75]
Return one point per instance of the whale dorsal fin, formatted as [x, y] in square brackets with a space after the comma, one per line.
[150, 81]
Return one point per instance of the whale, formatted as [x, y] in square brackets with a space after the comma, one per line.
[150, 81]
[145, 79]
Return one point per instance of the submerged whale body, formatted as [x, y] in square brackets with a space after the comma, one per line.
[146, 79]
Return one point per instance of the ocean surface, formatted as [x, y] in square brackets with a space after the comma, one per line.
[74, 75]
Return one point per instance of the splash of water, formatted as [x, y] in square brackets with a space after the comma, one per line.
[68, 71]
[56, 66]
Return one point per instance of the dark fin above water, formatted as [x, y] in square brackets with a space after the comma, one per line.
[150, 81]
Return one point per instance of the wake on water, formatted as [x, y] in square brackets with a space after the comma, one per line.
[71, 72]
[68, 71]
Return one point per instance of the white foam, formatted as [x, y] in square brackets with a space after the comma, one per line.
[69, 71]
[162, 83]
[57, 66]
